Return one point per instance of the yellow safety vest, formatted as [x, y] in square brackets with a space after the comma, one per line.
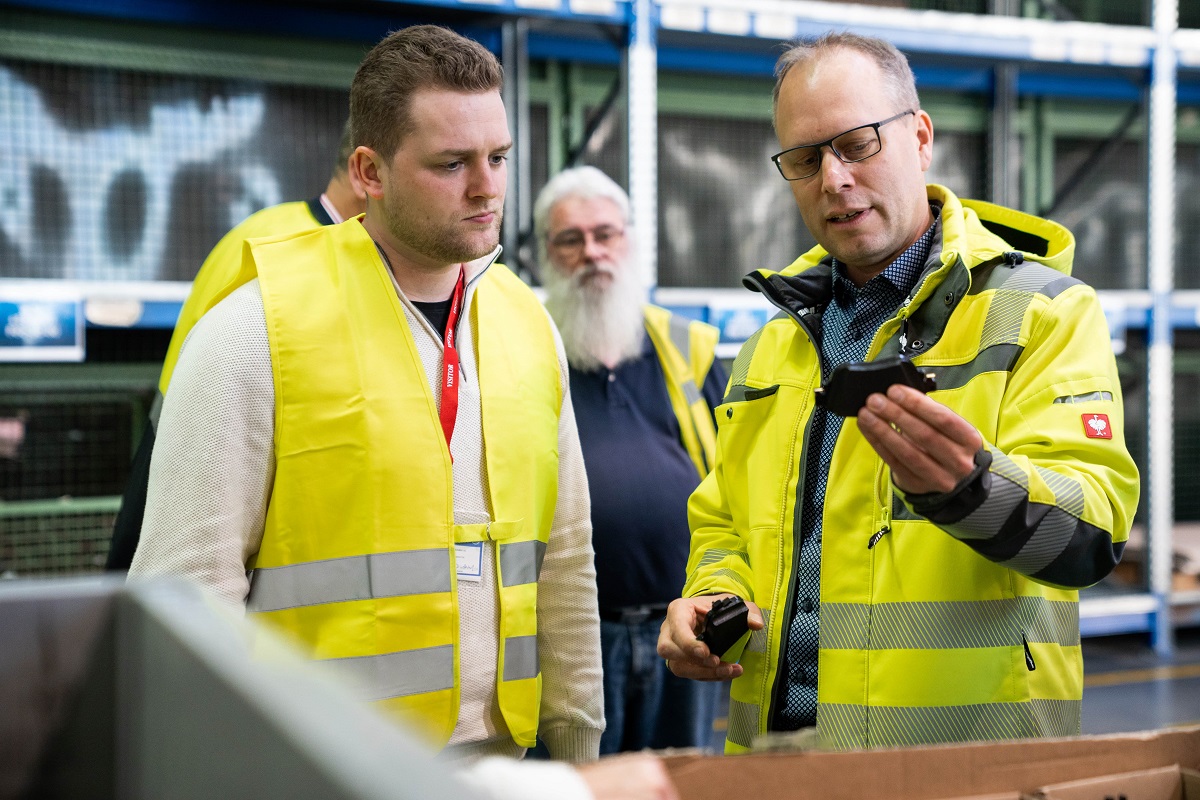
[357, 559]
[224, 263]
[686, 349]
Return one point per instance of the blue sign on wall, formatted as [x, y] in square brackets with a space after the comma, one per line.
[41, 330]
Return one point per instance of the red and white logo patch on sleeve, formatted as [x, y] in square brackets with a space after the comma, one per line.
[1097, 426]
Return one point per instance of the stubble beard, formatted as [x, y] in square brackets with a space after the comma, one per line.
[453, 243]
[597, 323]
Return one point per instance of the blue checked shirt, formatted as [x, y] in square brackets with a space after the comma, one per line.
[848, 325]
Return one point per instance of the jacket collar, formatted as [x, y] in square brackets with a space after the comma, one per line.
[971, 233]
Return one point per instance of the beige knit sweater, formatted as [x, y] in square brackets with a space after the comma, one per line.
[211, 477]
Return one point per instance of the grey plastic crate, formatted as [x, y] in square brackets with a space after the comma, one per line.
[151, 691]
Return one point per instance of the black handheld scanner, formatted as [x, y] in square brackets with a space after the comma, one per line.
[726, 622]
[848, 387]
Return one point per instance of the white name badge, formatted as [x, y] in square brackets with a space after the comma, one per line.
[468, 559]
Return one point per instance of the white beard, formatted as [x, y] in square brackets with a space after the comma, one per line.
[600, 327]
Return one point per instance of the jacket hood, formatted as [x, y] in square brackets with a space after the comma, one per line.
[976, 232]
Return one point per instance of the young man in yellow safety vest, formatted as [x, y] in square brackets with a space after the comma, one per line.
[368, 439]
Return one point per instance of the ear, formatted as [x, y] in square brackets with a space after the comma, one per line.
[924, 139]
[366, 166]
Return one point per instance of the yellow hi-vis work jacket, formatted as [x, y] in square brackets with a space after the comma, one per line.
[686, 349]
[967, 628]
[358, 556]
[224, 263]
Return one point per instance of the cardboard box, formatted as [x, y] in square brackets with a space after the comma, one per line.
[930, 773]
[1166, 783]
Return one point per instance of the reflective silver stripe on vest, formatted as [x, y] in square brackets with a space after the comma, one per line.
[690, 392]
[991, 516]
[741, 364]
[338, 580]
[736, 578]
[1068, 492]
[679, 330]
[715, 554]
[757, 643]
[1055, 529]
[996, 358]
[855, 726]
[521, 562]
[949, 625]
[1012, 298]
[743, 722]
[520, 658]
[841, 727]
[400, 674]
[1090, 397]
[1006, 468]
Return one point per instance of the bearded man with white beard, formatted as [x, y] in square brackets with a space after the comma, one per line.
[643, 386]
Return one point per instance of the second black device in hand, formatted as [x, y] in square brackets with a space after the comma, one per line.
[726, 622]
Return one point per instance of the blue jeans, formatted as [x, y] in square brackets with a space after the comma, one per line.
[645, 704]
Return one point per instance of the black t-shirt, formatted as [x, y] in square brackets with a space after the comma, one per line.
[438, 313]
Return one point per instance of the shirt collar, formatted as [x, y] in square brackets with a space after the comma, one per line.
[901, 274]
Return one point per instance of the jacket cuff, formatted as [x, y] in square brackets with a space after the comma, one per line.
[947, 508]
[574, 745]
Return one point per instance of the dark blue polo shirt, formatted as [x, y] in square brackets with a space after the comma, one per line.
[640, 478]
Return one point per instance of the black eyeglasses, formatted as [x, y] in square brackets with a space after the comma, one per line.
[856, 144]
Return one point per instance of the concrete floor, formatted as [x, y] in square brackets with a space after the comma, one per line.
[1126, 687]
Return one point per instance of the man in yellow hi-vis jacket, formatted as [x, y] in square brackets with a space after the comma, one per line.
[368, 438]
[912, 568]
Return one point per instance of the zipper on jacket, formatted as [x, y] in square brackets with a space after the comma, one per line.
[876, 536]
[777, 692]
[1028, 655]
[884, 490]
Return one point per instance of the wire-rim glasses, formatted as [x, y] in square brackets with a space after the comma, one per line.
[854, 145]
[572, 241]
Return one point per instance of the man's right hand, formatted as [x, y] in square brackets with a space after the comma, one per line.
[688, 657]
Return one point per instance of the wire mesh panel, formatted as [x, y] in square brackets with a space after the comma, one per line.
[606, 149]
[1187, 214]
[1112, 12]
[66, 446]
[110, 174]
[1105, 209]
[723, 208]
[64, 462]
[1187, 426]
[958, 162]
[43, 541]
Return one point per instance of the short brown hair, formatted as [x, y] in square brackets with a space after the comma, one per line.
[345, 148]
[897, 74]
[405, 62]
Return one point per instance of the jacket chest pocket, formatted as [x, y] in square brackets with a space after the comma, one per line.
[755, 442]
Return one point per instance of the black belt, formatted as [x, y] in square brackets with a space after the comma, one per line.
[631, 615]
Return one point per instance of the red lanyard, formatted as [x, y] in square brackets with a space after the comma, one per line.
[450, 363]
